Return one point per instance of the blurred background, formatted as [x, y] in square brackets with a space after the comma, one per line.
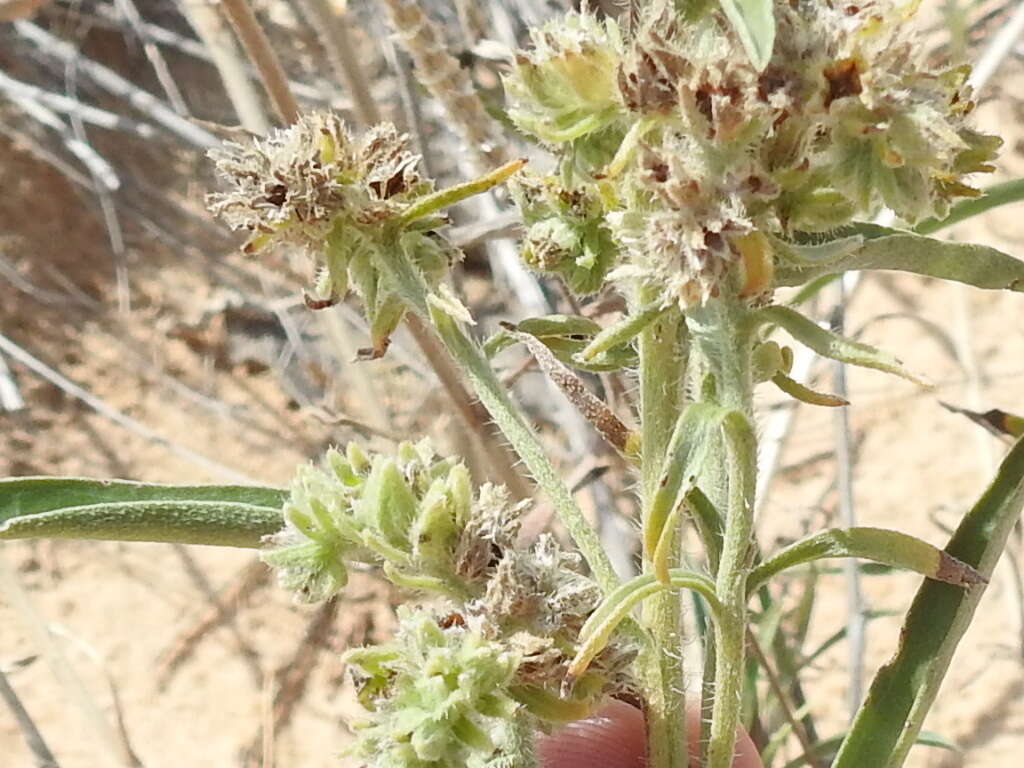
[137, 341]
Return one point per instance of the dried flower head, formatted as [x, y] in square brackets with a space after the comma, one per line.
[540, 589]
[490, 532]
[316, 187]
[292, 186]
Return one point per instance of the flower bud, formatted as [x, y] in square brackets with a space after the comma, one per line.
[566, 87]
[566, 232]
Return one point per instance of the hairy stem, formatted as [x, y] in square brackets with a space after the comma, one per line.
[408, 282]
[492, 394]
[730, 632]
[661, 399]
[500, 458]
[723, 338]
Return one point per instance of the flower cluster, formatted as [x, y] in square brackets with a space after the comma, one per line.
[438, 694]
[689, 149]
[565, 89]
[316, 187]
[407, 510]
[444, 692]
[566, 232]
[292, 186]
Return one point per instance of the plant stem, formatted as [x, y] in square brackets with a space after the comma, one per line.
[730, 631]
[722, 345]
[661, 399]
[408, 282]
[492, 394]
[500, 458]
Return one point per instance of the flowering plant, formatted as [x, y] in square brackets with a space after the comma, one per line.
[704, 159]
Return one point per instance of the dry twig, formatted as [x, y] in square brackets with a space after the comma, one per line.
[222, 608]
[334, 34]
[156, 59]
[37, 745]
[110, 81]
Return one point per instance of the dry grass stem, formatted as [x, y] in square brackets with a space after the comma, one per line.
[262, 55]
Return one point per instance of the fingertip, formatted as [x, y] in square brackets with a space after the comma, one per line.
[612, 738]
[615, 738]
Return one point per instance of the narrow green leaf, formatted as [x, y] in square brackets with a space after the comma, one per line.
[887, 248]
[622, 332]
[559, 326]
[549, 707]
[754, 23]
[878, 544]
[79, 508]
[832, 345]
[21, 496]
[825, 749]
[687, 451]
[619, 603]
[890, 719]
[449, 196]
[709, 526]
[567, 336]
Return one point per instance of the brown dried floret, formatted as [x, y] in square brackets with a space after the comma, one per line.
[292, 186]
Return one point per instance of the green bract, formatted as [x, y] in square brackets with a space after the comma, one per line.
[566, 231]
[565, 88]
[438, 695]
[408, 510]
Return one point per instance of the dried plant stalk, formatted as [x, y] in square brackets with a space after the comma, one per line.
[262, 54]
[441, 74]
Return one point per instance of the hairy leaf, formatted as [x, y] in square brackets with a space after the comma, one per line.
[620, 602]
[754, 22]
[58, 507]
[879, 544]
[687, 451]
[886, 248]
[805, 394]
[622, 332]
[832, 345]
